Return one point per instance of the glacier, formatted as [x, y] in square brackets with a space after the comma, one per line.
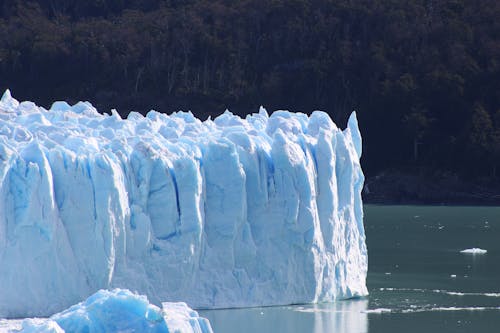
[227, 212]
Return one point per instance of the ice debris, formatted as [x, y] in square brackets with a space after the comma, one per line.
[474, 250]
[120, 310]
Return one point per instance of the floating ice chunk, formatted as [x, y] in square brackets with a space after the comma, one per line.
[378, 311]
[474, 250]
[456, 308]
[120, 311]
[180, 318]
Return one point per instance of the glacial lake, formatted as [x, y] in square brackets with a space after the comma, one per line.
[417, 279]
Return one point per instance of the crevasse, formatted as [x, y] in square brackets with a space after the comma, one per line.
[228, 212]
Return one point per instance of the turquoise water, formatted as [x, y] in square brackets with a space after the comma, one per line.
[418, 280]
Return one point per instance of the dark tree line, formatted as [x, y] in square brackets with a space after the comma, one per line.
[424, 75]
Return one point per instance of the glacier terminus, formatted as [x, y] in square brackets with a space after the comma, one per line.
[229, 212]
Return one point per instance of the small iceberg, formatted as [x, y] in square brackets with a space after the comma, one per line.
[120, 310]
[378, 311]
[474, 250]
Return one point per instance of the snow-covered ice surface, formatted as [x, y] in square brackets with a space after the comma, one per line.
[228, 212]
[474, 250]
[117, 310]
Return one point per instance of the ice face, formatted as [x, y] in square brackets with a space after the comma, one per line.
[228, 212]
[120, 310]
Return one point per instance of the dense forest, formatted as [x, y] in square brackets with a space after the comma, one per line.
[423, 75]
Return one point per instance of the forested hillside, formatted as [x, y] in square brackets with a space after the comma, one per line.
[423, 75]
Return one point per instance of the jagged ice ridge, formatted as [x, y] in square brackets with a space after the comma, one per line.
[228, 212]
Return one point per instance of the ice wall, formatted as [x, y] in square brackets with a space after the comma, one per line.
[228, 212]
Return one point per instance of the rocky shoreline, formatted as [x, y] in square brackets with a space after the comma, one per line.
[406, 187]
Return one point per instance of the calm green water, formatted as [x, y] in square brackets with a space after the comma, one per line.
[418, 279]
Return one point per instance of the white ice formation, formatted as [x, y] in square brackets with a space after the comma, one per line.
[228, 212]
[120, 310]
[474, 250]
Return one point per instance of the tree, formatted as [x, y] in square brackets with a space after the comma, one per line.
[482, 138]
[496, 144]
[418, 124]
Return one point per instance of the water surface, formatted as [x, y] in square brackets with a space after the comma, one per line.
[418, 280]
